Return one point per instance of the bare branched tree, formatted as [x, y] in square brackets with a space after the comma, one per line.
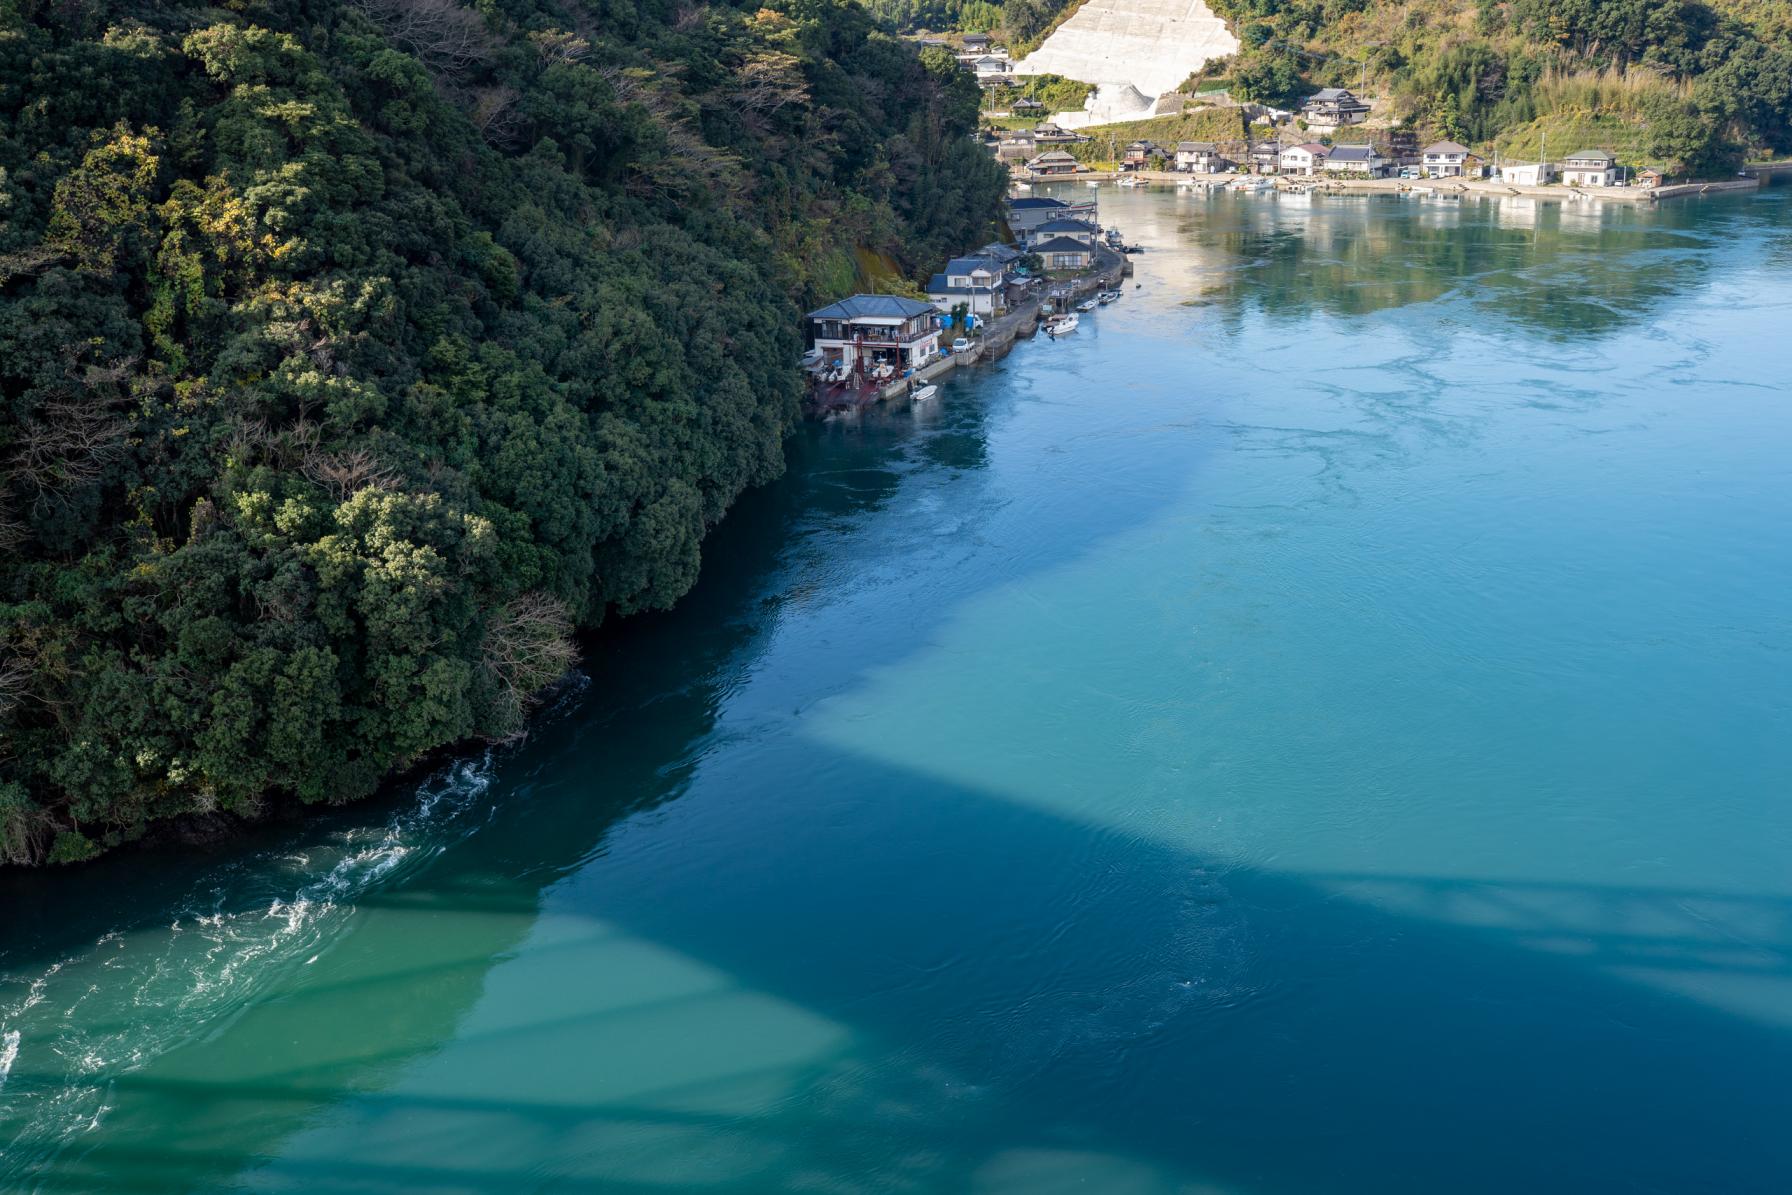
[344, 474]
[68, 443]
[447, 37]
[496, 116]
[557, 45]
[528, 646]
[691, 161]
[768, 81]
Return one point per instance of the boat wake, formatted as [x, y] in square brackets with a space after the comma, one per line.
[9, 1053]
[141, 991]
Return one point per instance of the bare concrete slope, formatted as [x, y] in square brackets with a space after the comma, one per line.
[1152, 45]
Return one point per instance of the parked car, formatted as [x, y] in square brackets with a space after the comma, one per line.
[1411, 172]
[961, 345]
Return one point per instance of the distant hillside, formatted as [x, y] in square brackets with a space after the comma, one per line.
[1691, 85]
[1688, 85]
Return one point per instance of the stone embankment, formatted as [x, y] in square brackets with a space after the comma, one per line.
[1440, 186]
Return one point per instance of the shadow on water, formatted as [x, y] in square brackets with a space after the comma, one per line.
[1415, 1055]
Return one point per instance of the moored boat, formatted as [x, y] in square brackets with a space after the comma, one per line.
[1058, 325]
[1086, 305]
[926, 392]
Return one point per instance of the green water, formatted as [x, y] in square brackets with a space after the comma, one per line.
[1322, 727]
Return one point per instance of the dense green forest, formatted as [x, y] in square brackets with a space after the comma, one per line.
[356, 353]
[1020, 24]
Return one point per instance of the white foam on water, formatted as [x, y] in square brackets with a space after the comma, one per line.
[9, 1054]
[240, 932]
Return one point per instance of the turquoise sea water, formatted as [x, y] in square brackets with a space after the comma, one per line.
[1323, 727]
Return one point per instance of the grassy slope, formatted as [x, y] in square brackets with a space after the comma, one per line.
[1211, 124]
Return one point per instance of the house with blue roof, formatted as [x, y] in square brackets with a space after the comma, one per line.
[979, 283]
[1065, 226]
[858, 335]
[1026, 214]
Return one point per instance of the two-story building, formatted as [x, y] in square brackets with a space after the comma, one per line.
[1363, 160]
[992, 71]
[1332, 107]
[979, 283]
[1444, 159]
[1591, 168]
[1201, 157]
[1304, 160]
[1054, 161]
[1266, 157]
[1029, 212]
[1050, 134]
[866, 331]
[1064, 226]
[1138, 155]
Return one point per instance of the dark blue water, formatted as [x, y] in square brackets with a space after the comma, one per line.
[1323, 726]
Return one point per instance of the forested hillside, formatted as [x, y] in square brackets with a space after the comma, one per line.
[1692, 85]
[1689, 85]
[356, 352]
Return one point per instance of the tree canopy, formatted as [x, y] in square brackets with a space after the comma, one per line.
[354, 353]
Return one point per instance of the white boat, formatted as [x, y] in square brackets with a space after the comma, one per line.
[1107, 296]
[1086, 305]
[1251, 182]
[926, 392]
[1132, 180]
[1058, 325]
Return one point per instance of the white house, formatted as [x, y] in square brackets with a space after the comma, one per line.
[1201, 157]
[990, 69]
[980, 283]
[1445, 159]
[1308, 159]
[1356, 159]
[1591, 168]
[1528, 174]
[869, 330]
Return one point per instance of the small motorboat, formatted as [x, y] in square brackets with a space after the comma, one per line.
[1133, 249]
[1107, 296]
[1059, 325]
[1132, 180]
[926, 392]
[1086, 305]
